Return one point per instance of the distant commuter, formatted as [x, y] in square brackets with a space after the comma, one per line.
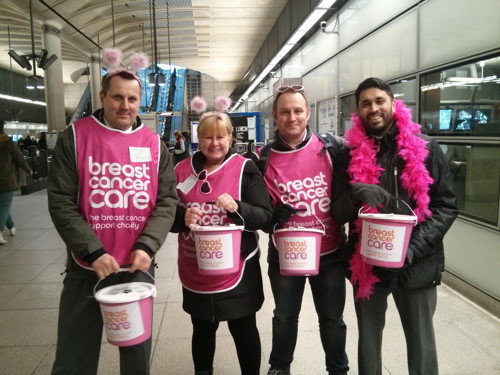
[181, 150]
[219, 187]
[11, 160]
[187, 137]
[388, 160]
[298, 173]
[94, 165]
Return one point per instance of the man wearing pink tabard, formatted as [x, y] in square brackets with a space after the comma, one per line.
[298, 174]
[112, 198]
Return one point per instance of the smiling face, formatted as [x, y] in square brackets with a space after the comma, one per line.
[215, 137]
[375, 109]
[291, 115]
[121, 102]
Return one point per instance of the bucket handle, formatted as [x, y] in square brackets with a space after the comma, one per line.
[122, 270]
[365, 209]
[274, 229]
[237, 213]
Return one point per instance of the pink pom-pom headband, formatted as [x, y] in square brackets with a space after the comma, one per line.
[199, 105]
[112, 58]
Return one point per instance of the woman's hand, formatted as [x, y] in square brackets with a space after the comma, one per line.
[192, 215]
[227, 202]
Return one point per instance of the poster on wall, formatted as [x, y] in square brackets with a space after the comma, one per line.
[51, 140]
[150, 120]
[194, 131]
[312, 118]
[326, 117]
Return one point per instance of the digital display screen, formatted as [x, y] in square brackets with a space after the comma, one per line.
[445, 119]
[481, 116]
[463, 120]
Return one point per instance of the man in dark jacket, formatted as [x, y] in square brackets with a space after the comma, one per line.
[298, 175]
[387, 165]
[11, 160]
[112, 198]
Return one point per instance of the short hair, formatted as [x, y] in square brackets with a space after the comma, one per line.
[373, 83]
[125, 74]
[211, 122]
[278, 94]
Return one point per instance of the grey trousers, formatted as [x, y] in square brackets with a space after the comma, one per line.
[80, 328]
[416, 309]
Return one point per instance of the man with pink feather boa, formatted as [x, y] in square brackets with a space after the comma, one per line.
[387, 160]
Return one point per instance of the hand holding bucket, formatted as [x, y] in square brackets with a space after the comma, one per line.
[385, 237]
[218, 246]
[298, 249]
[127, 311]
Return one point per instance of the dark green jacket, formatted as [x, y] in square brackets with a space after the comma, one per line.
[11, 159]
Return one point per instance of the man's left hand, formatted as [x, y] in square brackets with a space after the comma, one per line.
[140, 260]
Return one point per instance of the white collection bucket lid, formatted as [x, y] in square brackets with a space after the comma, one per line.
[217, 228]
[299, 229]
[127, 292]
[394, 217]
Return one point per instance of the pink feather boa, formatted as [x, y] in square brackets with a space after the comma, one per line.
[415, 179]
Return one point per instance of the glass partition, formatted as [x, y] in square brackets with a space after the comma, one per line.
[476, 174]
[463, 100]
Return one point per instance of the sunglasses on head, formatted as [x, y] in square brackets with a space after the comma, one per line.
[205, 187]
[292, 88]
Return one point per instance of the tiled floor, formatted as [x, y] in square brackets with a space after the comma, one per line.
[30, 283]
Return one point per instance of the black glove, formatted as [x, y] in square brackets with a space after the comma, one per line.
[281, 213]
[372, 195]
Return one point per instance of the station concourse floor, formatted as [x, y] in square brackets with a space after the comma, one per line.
[31, 264]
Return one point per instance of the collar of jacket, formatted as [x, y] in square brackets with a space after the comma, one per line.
[99, 115]
[280, 145]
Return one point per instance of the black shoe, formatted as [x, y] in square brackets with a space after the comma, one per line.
[274, 371]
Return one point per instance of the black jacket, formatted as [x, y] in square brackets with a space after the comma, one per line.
[280, 145]
[248, 296]
[425, 256]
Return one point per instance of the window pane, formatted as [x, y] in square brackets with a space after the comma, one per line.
[463, 100]
[476, 173]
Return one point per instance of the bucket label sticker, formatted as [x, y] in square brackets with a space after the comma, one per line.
[214, 252]
[382, 242]
[297, 253]
[122, 322]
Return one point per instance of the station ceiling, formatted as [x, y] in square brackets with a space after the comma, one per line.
[216, 37]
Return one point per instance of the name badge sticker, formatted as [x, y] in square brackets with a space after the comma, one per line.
[140, 154]
[187, 184]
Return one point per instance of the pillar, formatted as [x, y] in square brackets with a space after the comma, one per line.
[95, 82]
[54, 85]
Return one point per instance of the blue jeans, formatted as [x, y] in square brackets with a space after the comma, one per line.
[5, 203]
[328, 290]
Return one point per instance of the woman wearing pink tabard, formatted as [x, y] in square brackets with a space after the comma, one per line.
[216, 186]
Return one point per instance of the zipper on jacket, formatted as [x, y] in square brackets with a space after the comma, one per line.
[396, 186]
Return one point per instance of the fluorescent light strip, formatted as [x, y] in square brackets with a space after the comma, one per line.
[16, 99]
[315, 15]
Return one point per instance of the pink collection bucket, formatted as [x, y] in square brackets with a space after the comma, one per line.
[299, 250]
[385, 238]
[127, 312]
[218, 248]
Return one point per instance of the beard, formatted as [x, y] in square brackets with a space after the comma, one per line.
[380, 128]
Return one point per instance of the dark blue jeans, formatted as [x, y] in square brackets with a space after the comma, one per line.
[328, 290]
[5, 203]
